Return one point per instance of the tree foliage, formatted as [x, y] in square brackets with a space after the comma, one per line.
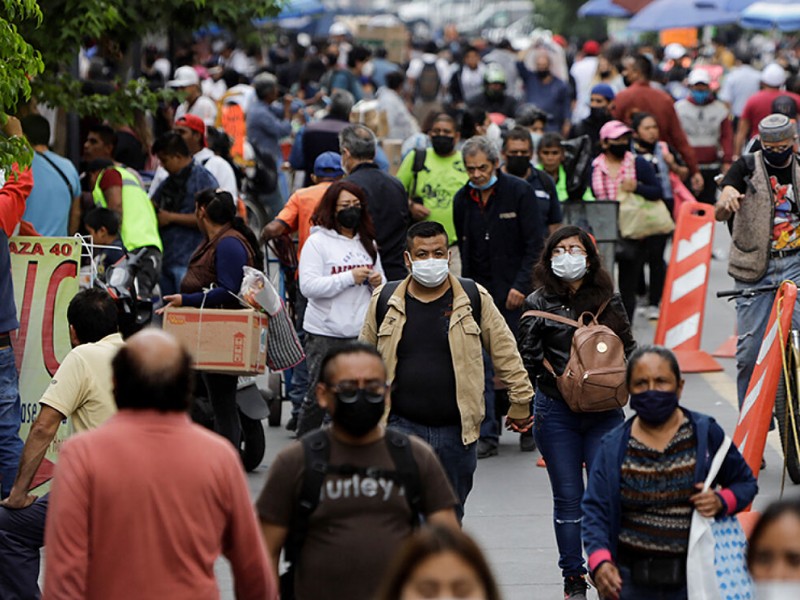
[562, 17]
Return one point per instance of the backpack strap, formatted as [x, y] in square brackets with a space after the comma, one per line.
[602, 308]
[383, 301]
[474, 294]
[420, 154]
[399, 446]
[550, 316]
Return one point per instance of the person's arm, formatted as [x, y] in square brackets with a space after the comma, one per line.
[739, 486]
[369, 331]
[726, 143]
[13, 194]
[444, 518]
[74, 216]
[647, 183]
[314, 282]
[114, 199]
[733, 188]
[742, 129]
[296, 157]
[42, 433]
[166, 217]
[274, 539]
[273, 229]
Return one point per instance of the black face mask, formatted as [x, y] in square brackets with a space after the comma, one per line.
[604, 74]
[598, 113]
[618, 150]
[648, 147]
[518, 165]
[358, 416]
[493, 94]
[349, 217]
[443, 144]
[543, 73]
[626, 81]
[777, 159]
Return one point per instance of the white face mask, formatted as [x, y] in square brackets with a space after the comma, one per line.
[430, 272]
[536, 137]
[569, 267]
[777, 590]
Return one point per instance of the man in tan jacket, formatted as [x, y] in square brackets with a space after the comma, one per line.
[431, 329]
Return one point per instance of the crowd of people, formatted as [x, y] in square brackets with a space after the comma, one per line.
[439, 283]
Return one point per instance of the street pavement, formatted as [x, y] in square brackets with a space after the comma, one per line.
[509, 510]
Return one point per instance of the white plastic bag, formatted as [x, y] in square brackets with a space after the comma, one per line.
[258, 292]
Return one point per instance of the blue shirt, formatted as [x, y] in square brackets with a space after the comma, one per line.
[264, 130]
[48, 206]
[553, 98]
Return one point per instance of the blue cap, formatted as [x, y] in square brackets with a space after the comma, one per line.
[328, 164]
[604, 90]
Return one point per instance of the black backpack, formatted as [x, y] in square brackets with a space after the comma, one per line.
[316, 453]
[420, 154]
[429, 82]
[470, 287]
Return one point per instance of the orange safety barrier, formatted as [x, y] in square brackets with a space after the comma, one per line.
[680, 323]
[727, 349]
[232, 120]
[750, 436]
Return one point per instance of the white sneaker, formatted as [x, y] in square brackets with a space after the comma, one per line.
[652, 313]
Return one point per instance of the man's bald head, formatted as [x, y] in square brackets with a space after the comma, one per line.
[152, 371]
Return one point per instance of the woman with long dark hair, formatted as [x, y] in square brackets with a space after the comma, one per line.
[339, 268]
[228, 245]
[570, 280]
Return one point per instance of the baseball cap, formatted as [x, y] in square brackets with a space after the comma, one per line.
[614, 130]
[560, 40]
[699, 76]
[494, 74]
[338, 29]
[773, 75]
[776, 128]
[604, 90]
[674, 51]
[194, 123]
[328, 164]
[184, 76]
[591, 47]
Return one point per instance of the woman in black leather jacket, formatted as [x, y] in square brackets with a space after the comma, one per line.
[570, 280]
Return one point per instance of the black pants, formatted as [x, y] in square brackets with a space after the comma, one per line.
[630, 261]
[222, 395]
[708, 194]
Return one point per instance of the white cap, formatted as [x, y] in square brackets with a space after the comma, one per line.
[698, 76]
[674, 51]
[773, 75]
[338, 28]
[184, 76]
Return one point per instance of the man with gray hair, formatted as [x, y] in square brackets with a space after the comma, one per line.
[499, 232]
[386, 196]
[323, 135]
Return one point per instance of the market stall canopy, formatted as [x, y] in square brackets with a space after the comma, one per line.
[674, 14]
[632, 6]
[771, 15]
[602, 8]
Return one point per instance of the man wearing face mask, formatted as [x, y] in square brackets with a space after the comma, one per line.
[708, 128]
[493, 98]
[434, 327]
[364, 511]
[759, 197]
[517, 156]
[600, 100]
[548, 92]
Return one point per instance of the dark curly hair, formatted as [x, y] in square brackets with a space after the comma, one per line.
[325, 214]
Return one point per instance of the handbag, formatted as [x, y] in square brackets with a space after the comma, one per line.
[715, 564]
[640, 218]
[284, 349]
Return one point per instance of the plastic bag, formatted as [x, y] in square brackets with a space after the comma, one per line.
[259, 293]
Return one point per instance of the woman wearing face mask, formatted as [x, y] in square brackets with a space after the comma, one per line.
[773, 552]
[648, 478]
[617, 170]
[609, 74]
[571, 280]
[439, 562]
[339, 267]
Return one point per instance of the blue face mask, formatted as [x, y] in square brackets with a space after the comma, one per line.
[486, 185]
[654, 407]
[700, 96]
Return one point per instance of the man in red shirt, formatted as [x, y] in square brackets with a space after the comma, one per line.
[640, 96]
[759, 105]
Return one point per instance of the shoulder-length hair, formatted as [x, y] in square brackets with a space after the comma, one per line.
[325, 214]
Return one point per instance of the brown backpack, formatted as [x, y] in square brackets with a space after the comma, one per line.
[594, 377]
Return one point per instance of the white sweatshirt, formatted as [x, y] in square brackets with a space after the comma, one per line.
[336, 305]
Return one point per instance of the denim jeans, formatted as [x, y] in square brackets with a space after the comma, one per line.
[567, 440]
[171, 277]
[459, 461]
[21, 537]
[631, 591]
[752, 315]
[10, 416]
[490, 426]
[298, 385]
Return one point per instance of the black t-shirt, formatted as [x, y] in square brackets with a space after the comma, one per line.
[425, 382]
[735, 176]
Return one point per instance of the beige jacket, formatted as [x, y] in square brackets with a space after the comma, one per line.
[466, 341]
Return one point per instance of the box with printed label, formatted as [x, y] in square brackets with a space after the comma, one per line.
[219, 340]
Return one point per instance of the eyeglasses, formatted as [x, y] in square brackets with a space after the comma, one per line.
[347, 391]
[574, 250]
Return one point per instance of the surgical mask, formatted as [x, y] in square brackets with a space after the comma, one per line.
[485, 186]
[777, 590]
[700, 96]
[518, 165]
[599, 112]
[358, 413]
[349, 217]
[618, 150]
[777, 159]
[443, 144]
[569, 267]
[536, 137]
[430, 272]
[654, 407]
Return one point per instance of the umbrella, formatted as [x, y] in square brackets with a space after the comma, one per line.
[672, 14]
[632, 6]
[602, 8]
[738, 6]
[771, 15]
[295, 9]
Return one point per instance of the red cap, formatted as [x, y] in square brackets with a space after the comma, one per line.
[560, 40]
[591, 48]
[194, 123]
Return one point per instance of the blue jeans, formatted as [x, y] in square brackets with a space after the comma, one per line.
[21, 537]
[752, 315]
[490, 426]
[631, 591]
[171, 277]
[10, 417]
[459, 461]
[567, 440]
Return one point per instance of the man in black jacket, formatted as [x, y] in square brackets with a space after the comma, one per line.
[387, 201]
[493, 98]
[499, 231]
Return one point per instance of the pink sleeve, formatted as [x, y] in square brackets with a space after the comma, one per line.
[597, 557]
[243, 545]
[67, 531]
[13, 195]
[729, 500]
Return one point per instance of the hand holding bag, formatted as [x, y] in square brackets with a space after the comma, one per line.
[640, 218]
[715, 564]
